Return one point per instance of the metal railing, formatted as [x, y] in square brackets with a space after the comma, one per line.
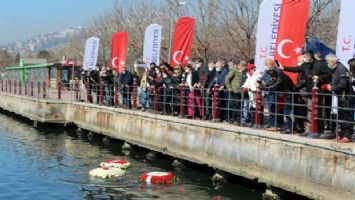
[288, 112]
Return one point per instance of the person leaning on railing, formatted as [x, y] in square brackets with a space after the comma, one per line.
[208, 96]
[351, 63]
[282, 86]
[304, 86]
[194, 94]
[218, 80]
[170, 86]
[342, 89]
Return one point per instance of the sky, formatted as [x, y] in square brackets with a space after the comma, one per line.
[22, 19]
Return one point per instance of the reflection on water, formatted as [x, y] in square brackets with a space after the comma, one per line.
[52, 163]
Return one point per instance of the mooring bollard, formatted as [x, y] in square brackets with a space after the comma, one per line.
[215, 111]
[182, 101]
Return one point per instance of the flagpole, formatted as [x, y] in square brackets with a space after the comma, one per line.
[178, 4]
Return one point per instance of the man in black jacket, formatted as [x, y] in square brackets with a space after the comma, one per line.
[126, 81]
[341, 88]
[107, 78]
[309, 71]
[323, 75]
[208, 97]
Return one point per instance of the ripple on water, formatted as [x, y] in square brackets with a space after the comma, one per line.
[51, 163]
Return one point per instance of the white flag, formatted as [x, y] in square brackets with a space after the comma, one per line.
[267, 30]
[152, 42]
[346, 32]
[91, 53]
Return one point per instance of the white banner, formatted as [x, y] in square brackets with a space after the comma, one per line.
[267, 30]
[346, 32]
[91, 53]
[152, 42]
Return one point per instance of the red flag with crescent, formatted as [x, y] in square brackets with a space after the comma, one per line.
[291, 33]
[119, 50]
[182, 41]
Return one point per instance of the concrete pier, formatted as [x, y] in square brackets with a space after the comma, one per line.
[317, 169]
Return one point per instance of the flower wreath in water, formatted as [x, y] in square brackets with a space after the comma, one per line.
[107, 172]
[121, 164]
[158, 178]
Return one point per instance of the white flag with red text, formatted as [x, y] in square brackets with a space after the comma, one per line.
[266, 36]
[346, 32]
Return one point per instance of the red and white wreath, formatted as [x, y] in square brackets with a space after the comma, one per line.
[121, 164]
[158, 177]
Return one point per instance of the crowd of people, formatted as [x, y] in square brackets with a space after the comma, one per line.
[233, 88]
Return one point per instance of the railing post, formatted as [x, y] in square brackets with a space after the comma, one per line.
[2, 85]
[15, 86]
[38, 88]
[116, 99]
[182, 101]
[32, 84]
[19, 87]
[215, 111]
[10, 88]
[26, 88]
[314, 112]
[258, 111]
[155, 100]
[134, 95]
[101, 93]
[76, 88]
[88, 92]
[6, 85]
[44, 89]
[59, 87]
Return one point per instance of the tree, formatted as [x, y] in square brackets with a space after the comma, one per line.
[44, 55]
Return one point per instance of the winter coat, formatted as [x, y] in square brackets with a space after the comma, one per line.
[233, 80]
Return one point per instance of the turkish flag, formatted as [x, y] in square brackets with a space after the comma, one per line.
[119, 50]
[182, 42]
[292, 29]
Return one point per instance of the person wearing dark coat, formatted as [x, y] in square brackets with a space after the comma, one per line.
[341, 88]
[323, 75]
[192, 82]
[208, 96]
[283, 85]
[107, 78]
[219, 80]
[170, 85]
[126, 81]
